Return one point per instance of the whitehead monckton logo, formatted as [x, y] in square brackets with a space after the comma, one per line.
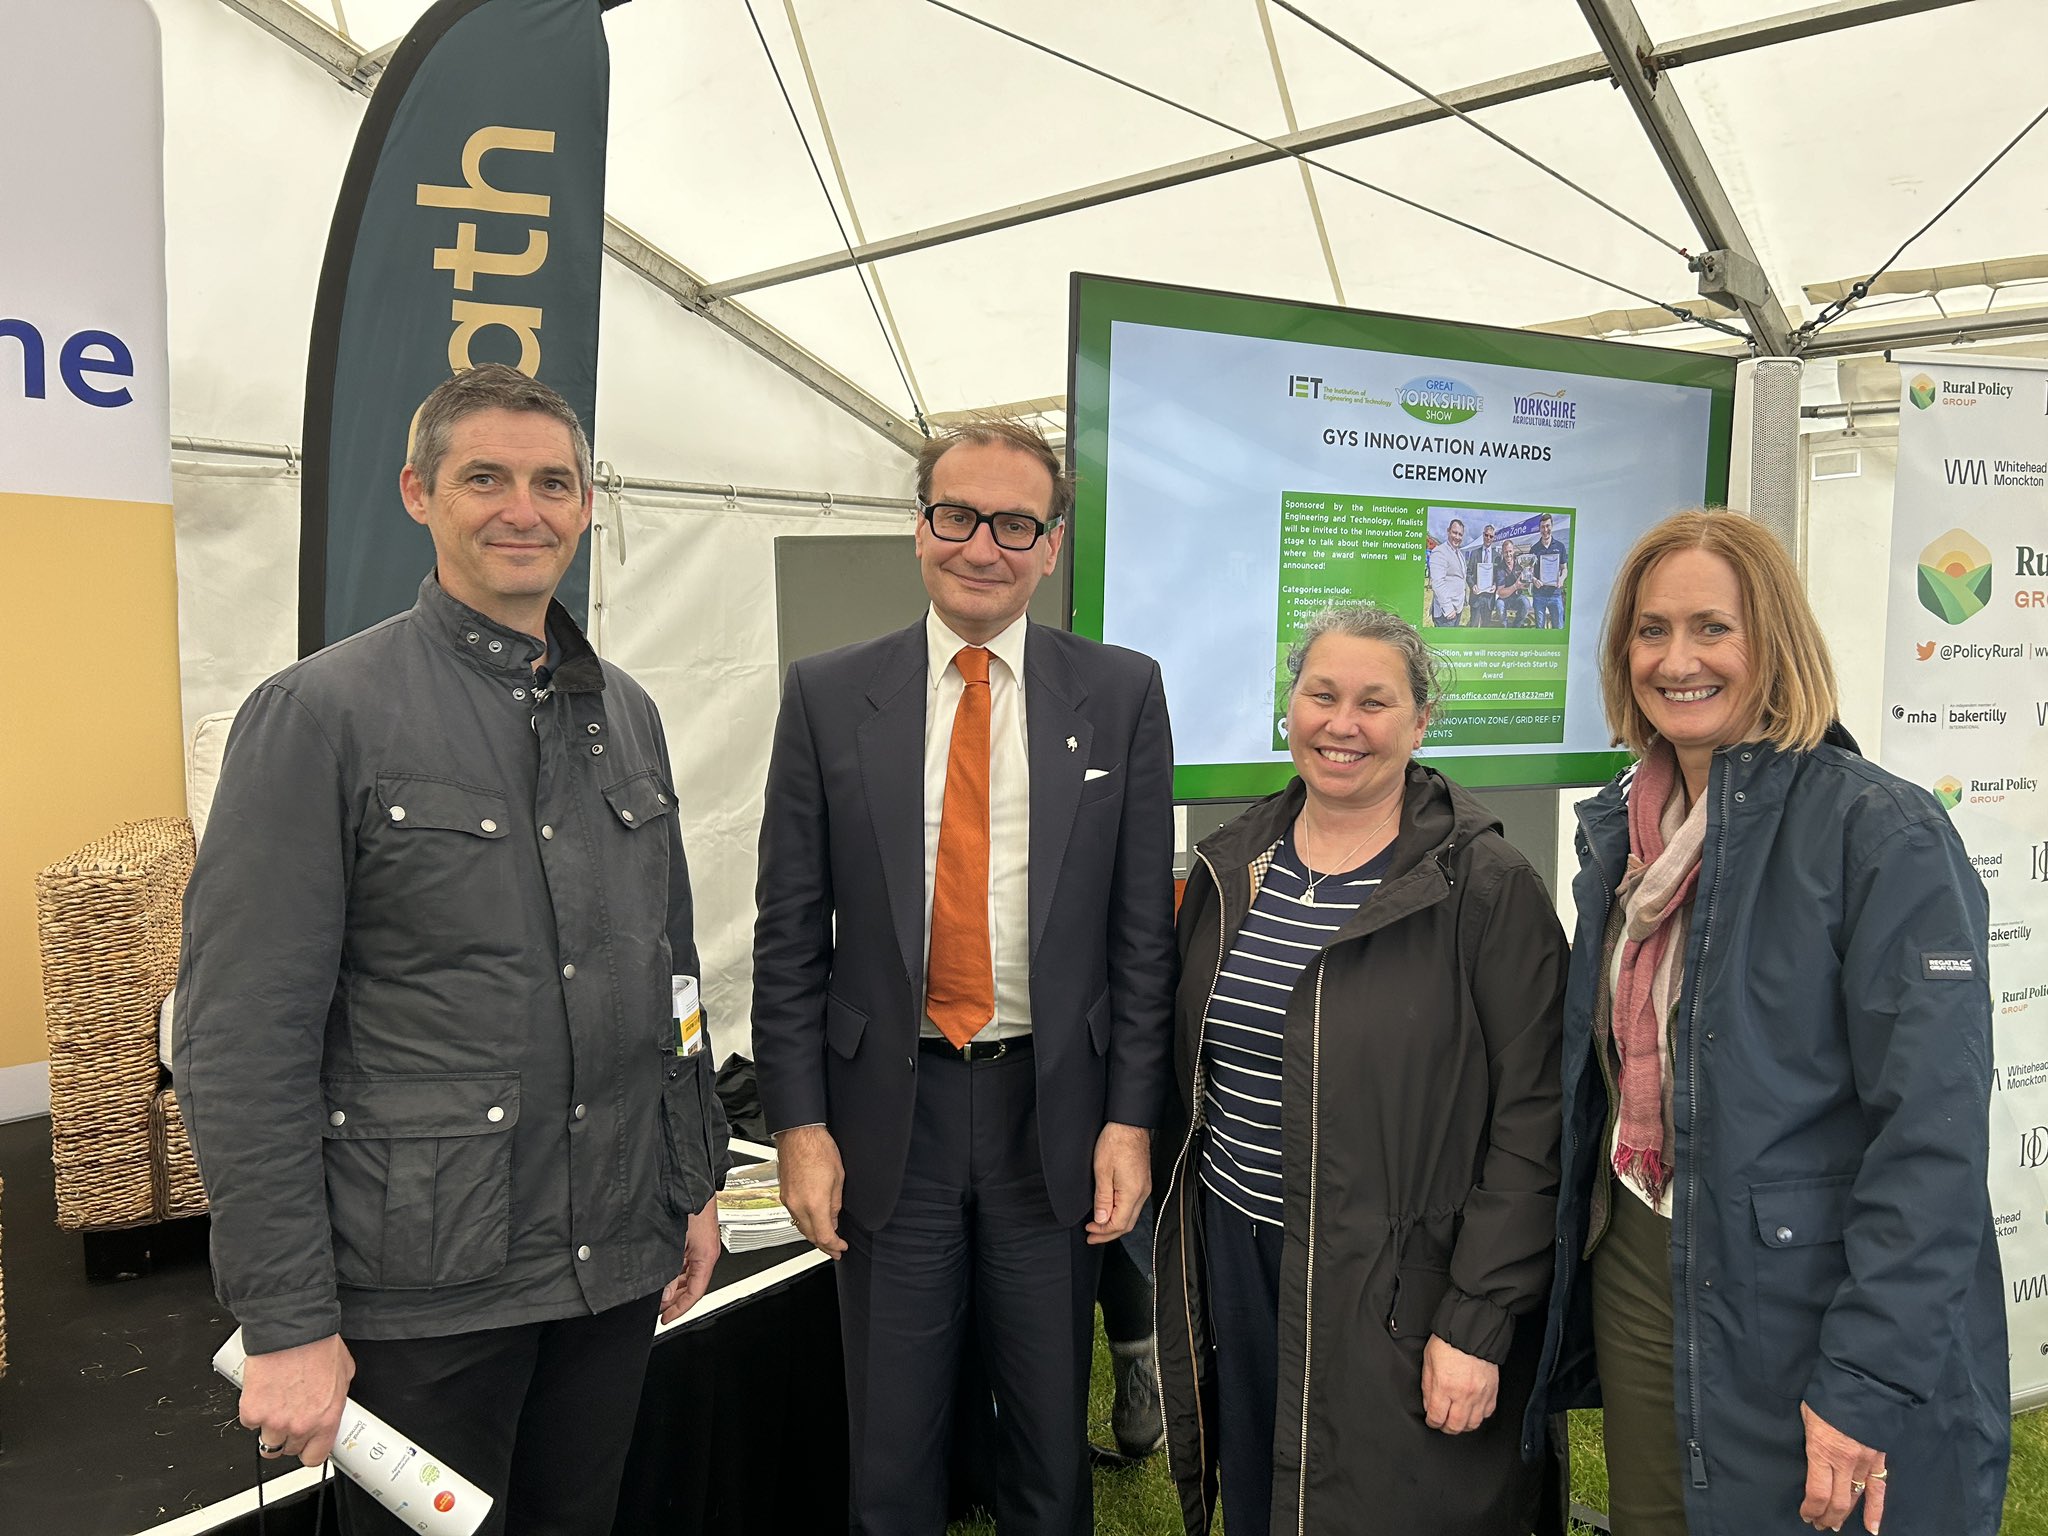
[1949, 791]
[1440, 401]
[1955, 577]
[1921, 391]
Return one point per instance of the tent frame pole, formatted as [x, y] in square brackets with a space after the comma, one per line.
[1813, 21]
[1626, 42]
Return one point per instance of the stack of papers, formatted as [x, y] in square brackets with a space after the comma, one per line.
[750, 1210]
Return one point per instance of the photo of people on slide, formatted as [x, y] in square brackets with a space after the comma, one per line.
[1461, 571]
[1494, 569]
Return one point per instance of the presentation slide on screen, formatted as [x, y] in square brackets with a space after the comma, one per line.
[1249, 482]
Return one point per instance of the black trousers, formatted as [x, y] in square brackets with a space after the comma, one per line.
[972, 1221]
[538, 1416]
[1243, 1270]
[1125, 1289]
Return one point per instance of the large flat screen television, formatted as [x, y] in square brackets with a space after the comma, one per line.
[1242, 462]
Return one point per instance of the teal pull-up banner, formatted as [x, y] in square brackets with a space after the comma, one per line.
[470, 229]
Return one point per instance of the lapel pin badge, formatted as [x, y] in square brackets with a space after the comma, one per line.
[1073, 745]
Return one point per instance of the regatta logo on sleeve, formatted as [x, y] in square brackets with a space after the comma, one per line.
[1948, 967]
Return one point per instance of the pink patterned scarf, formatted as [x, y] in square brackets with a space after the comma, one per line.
[1664, 843]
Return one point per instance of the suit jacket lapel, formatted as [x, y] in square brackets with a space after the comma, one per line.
[891, 748]
[1057, 740]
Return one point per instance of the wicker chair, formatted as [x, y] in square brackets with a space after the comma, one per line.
[108, 925]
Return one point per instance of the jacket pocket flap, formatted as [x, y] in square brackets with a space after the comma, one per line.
[1418, 1292]
[844, 1025]
[442, 805]
[1794, 1213]
[1098, 1024]
[439, 1104]
[639, 800]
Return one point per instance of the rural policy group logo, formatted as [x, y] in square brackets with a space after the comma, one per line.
[1955, 577]
[1440, 401]
[1921, 391]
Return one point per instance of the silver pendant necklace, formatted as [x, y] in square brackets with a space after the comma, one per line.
[1315, 879]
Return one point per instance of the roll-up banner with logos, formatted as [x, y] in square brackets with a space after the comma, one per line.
[1966, 714]
[85, 472]
[470, 229]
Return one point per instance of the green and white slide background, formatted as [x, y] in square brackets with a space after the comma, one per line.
[1242, 462]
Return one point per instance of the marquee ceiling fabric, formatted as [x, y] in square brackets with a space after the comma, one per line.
[1831, 149]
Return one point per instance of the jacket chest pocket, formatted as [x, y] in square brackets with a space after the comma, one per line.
[436, 840]
[686, 1134]
[419, 1176]
[1800, 1264]
[640, 810]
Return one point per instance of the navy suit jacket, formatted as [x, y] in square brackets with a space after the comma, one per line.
[839, 938]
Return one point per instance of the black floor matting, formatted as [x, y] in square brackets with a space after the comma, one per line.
[111, 1418]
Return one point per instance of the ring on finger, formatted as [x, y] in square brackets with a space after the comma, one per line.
[1880, 1474]
[1856, 1487]
[269, 1450]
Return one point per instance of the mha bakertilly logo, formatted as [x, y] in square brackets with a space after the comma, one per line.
[1955, 577]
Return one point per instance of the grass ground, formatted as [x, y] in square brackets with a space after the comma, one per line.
[1139, 1501]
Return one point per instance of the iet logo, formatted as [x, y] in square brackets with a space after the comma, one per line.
[1304, 386]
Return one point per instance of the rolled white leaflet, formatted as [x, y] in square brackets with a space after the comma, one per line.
[425, 1493]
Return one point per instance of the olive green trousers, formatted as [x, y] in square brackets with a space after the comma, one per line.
[1632, 1332]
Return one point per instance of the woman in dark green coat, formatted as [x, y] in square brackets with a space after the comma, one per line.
[1358, 1171]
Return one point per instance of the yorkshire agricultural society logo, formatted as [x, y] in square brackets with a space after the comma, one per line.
[1546, 408]
[1955, 577]
[1921, 391]
[1442, 402]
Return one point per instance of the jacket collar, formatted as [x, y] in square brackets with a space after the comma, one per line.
[1435, 816]
[1748, 766]
[497, 651]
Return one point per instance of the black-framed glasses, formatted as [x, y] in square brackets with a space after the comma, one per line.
[1014, 531]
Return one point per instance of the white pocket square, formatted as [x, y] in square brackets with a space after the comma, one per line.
[1094, 773]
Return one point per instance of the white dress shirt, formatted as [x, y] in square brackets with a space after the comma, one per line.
[1009, 810]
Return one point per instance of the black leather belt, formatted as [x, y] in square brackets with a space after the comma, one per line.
[974, 1050]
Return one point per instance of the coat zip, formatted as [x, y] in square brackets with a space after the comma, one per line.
[1177, 1180]
[1564, 1150]
[1308, 1297]
[1692, 1320]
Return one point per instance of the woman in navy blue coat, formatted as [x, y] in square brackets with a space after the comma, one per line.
[1775, 1244]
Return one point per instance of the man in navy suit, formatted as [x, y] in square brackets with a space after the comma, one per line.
[963, 968]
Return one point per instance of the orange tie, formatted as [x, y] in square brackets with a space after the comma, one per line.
[960, 980]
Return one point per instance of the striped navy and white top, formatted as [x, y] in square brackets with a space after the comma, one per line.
[1241, 1042]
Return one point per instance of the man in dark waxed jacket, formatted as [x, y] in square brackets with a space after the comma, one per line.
[427, 1028]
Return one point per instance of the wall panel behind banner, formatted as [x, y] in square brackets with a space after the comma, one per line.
[84, 460]
[1966, 715]
[238, 580]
